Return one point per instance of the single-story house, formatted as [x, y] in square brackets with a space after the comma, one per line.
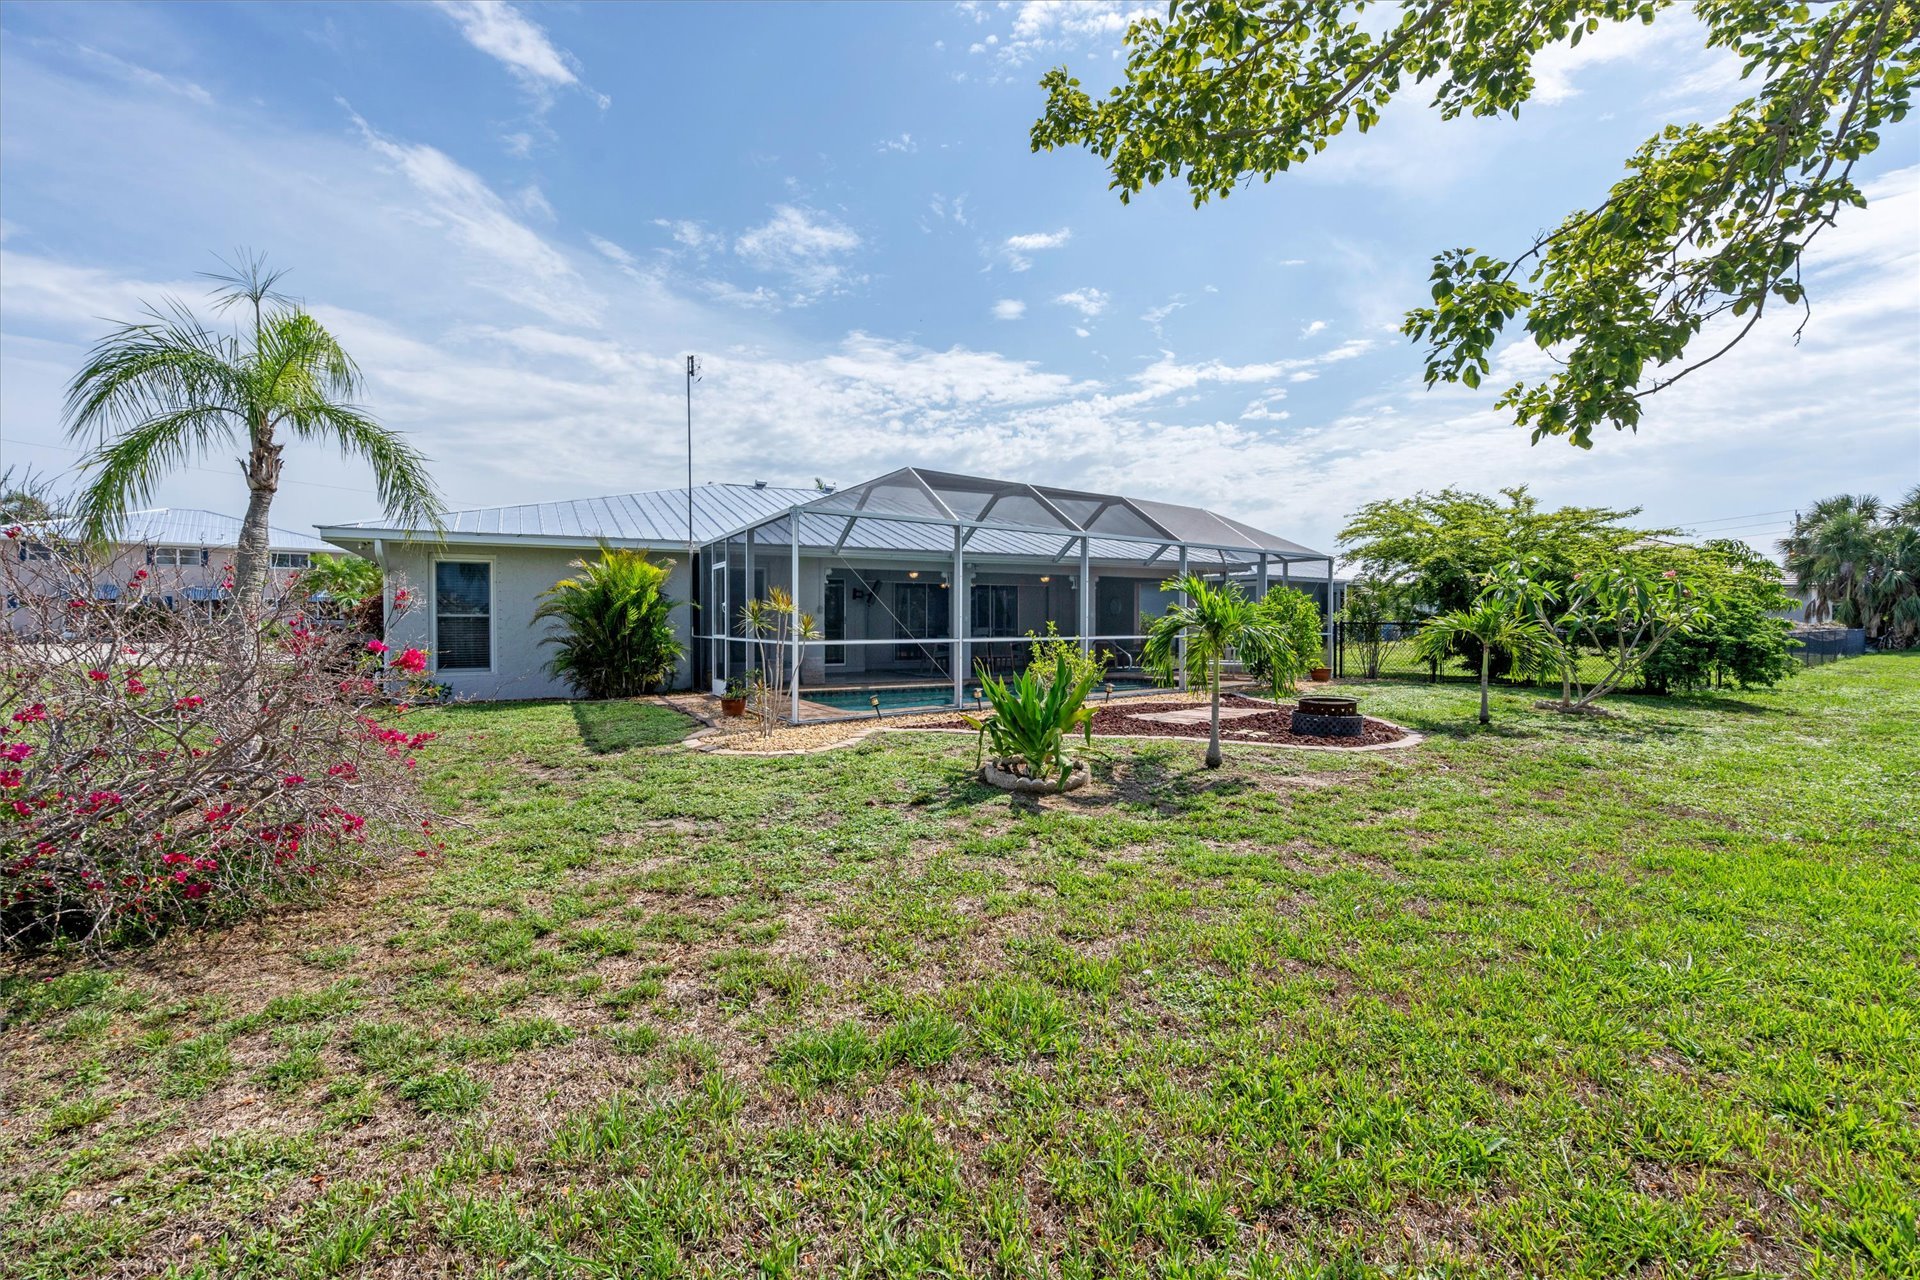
[876, 565]
[187, 555]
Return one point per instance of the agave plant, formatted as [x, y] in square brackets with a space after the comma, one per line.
[616, 636]
[1032, 718]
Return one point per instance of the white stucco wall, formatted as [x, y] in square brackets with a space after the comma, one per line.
[520, 576]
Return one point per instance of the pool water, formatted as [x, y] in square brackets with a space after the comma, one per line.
[899, 698]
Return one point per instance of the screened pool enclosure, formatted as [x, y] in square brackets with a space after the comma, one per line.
[918, 580]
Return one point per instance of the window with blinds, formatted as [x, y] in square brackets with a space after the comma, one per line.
[463, 615]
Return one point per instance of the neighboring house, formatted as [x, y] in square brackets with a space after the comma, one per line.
[187, 555]
[876, 564]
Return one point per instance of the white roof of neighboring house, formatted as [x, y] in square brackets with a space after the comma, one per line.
[187, 527]
[660, 518]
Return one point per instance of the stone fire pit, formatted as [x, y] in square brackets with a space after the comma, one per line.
[1328, 717]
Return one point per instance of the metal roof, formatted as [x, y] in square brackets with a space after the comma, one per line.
[1005, 518]
[186, 527]
[659, 516]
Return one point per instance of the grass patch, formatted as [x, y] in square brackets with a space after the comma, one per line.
[1631, 995]
[607, 727]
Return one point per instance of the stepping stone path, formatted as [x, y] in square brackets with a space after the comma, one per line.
[1201, 715]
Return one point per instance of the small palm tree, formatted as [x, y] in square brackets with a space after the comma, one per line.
[1494, 626]
[1215, 621]
[616, 637]
[156, 394]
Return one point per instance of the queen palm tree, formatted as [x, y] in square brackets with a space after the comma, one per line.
[157, 394]
[1215, 621]
[1494, 626]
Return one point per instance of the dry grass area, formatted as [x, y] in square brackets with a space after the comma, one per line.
[1633, 995]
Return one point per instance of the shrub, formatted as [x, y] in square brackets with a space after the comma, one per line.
[153, 775]
[1032, 718]
[1293, 621]
[1049, 650]
[616, 636]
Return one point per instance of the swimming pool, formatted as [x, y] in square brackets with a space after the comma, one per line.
[901, 697]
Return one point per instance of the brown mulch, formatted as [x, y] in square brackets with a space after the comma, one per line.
[1270, 726]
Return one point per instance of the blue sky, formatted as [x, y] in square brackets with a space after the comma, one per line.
[521, 219]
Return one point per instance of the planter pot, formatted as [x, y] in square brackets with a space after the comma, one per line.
[1321, 675]
[733, 706]
[994, 776]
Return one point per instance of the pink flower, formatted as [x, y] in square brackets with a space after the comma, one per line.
[412, 660]
[11, 777]
[376, 646]
[293, 780]
[38, 711]
[1670, 574]
[15, 752]
[96, 675]
[139, 575]
[402, 596]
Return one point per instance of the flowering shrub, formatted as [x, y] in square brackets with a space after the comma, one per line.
[153, 775]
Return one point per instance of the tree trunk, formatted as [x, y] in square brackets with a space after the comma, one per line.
[1214, 758]
[1484, 717]
[252, 560]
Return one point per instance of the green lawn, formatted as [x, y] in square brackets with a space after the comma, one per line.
[1588, 997]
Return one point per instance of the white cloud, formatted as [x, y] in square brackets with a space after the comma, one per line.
[146, 77]
[612, 251]
[534, 200]
[1557, 66]
[1314, 327]
[690, 234]
[519, 44]
[804, 245]
[1017, 248]
[904, 143]
[1156, 317]
[510, 257]
[1088, 302]
[519, 145]
[1009, 309]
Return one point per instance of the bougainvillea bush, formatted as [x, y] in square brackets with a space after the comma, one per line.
[164, 762]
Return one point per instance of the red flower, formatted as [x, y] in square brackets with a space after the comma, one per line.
[96, 675]
[293, 780]
[38, 711]
[376, 646]
[15, 752]
[412, 660]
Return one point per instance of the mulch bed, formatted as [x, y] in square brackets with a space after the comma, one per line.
[1122, 718]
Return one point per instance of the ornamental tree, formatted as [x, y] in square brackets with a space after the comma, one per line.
[145, 783]
[1622, 610]
[1709, 224]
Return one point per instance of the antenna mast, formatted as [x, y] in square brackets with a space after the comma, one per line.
[693, 376]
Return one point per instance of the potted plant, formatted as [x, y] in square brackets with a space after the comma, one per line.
[733, 701]
[1320, 675]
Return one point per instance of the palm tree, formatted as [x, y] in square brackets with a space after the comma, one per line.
[1831, 553]
[1215, 622]
[1493, 626]
[156, 394]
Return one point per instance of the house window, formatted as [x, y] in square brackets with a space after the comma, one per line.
[35, 551]
[291, 559]
[170, 557]
[995, 611]
[833, 624]
[463, 615]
